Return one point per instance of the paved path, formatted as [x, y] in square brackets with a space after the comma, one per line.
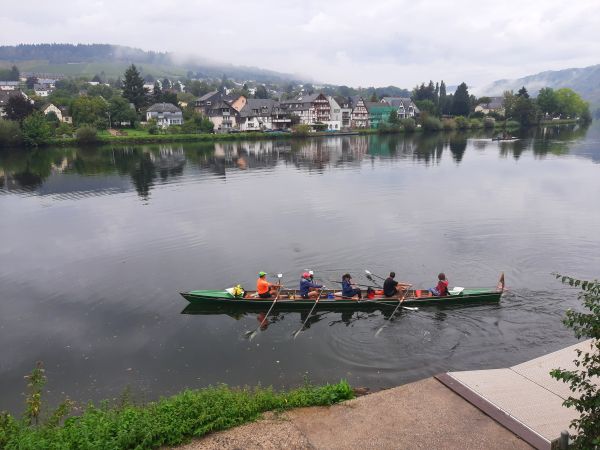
[524, 398]
[424, 415]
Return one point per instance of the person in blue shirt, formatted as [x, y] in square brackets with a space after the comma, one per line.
[348, 289]
[308, 288]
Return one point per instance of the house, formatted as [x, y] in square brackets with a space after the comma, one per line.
[42, 90]
[9, 85]
[61, 112]
[205, 103]
[256, 114]
[165, 114]
[360, 114]
[311, 109]
[335, 117]
[405, 107]
[224, 116]
[280, 117]
[379, 112]
[496, 105]
[346, 110]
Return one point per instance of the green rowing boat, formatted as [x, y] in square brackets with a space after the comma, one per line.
[331, 300]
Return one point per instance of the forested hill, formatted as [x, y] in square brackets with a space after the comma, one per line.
[90, 59]
[69, 53]
[585, 81]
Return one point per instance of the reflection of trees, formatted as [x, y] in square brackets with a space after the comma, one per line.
[458, 146]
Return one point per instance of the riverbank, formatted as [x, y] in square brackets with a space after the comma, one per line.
[424, 414]
[169, 421]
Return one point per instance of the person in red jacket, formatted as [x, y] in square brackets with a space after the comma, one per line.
[442, 287]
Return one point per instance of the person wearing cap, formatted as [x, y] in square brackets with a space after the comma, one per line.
[306, 284]
[264, 289]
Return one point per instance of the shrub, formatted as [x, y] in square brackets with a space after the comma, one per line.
[462, 123]
[301, 130]
[489, 122]
[449, 124]
[10, 133]
[383, 127]
[432, 124]
[475, 124]
[408, 124]
[513, 124]
[36, 130]
[583, 380]
[86, 134]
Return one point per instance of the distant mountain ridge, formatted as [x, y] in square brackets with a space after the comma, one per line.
[52, 58]
[585, 81]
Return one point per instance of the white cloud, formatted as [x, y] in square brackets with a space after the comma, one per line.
[353, 42]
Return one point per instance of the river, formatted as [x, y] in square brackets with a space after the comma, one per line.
[96, 244]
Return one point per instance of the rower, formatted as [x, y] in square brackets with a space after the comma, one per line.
[391, 287]
[348, 289]
[264, 289]
[308, 287]
[441, 289]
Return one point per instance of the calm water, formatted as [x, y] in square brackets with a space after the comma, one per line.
[96, 245]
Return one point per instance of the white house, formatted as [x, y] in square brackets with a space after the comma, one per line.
[311, 109]
[360, 113]
[335, 116]
[165, 114]
[224, 116]
[404, 106]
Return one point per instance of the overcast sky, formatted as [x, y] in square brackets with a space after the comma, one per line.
[353, 42]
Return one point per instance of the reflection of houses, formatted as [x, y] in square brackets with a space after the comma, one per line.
[494, 105]
[360, 114]
[405, 107]
[165, 114]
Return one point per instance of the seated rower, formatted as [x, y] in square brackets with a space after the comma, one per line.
[391, 287]
[441, 289]
[308, 287]
[348, 289]
[264, 289]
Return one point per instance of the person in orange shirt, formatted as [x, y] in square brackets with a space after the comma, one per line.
[264, 289]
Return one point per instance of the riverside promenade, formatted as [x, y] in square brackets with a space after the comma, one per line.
[515, 408]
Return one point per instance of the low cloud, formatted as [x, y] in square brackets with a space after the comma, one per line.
[351, 42]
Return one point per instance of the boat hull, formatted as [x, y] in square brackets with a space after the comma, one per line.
[206, 300]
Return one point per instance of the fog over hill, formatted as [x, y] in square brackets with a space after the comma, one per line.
[585, 81]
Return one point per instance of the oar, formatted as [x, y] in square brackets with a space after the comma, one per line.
[310, 313]
[370, 273]
[393, 314]
[250, 334]
[363, 285]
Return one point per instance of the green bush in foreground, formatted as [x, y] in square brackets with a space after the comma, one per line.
[169, 421]
[583, 381]
[86, 134]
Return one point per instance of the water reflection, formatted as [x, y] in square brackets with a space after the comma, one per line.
[143, 167]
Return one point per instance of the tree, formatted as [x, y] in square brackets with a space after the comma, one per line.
[10, 133]
[461, 105]
[547, 101]
[90, 111]
[31, 82]
[133, 87]
[523, 93]
[157, 93]
[17, 108]
[261, 92]
[373, 97]
[393, 118]
[583, 380]
[120, 111]
[524, 110]
[11, 74]
[569, 103]
[36, 129]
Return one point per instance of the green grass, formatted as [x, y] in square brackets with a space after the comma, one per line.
[169, 421]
